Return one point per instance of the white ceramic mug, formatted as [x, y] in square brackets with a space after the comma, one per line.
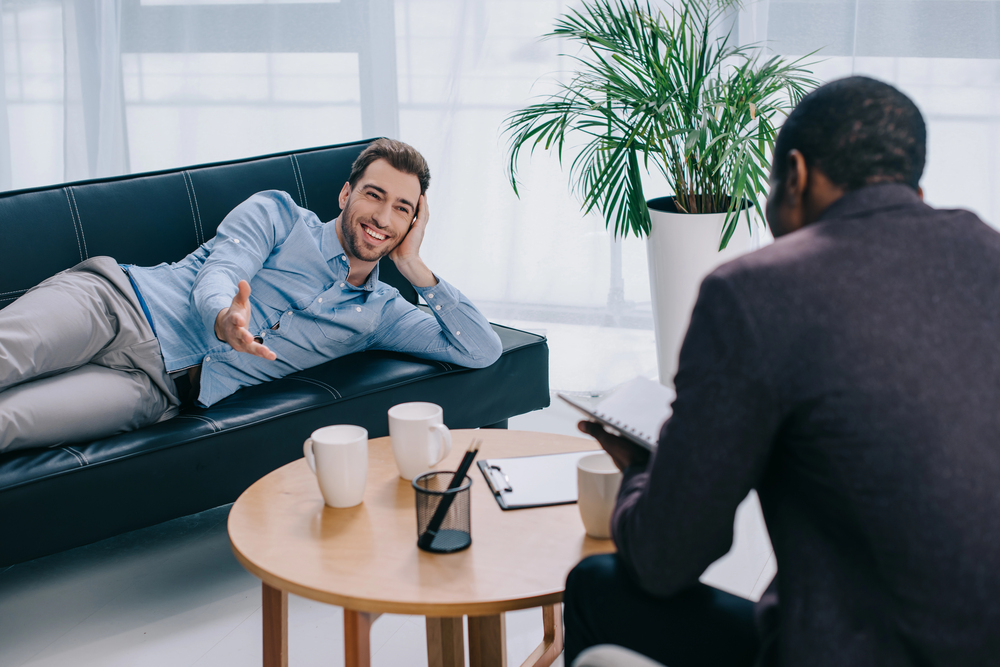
[419, 437]
[597, 483]
[338, 455]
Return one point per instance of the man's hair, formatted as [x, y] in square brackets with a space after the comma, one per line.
[858, 132]
[403, 157]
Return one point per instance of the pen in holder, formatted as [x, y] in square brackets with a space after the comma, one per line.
[443, 519]
[448, 508]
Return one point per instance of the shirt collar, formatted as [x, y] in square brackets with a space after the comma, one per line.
[331, 248]
[870, 199]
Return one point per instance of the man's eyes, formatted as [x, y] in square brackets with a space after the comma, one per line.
[378, 197]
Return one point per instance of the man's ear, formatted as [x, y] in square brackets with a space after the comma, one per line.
[345, 192]
[796, 178]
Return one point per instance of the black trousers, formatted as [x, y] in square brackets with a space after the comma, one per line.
[700, 625]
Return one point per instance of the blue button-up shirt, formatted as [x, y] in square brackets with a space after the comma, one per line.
[301, 303]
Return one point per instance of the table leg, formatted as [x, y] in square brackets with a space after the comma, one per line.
[357, 638]
[487, 641]
[275, 626]
[445, 642]
[552, 638]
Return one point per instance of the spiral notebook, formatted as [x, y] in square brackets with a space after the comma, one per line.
[635, 411]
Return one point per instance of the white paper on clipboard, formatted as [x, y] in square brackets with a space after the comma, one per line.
[533, 481]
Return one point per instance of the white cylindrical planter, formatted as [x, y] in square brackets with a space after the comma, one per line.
[682, 249]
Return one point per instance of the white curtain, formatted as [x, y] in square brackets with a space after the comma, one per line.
[95, 135]
[98, 87]
[5, 167]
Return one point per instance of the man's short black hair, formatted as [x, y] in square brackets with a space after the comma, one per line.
[858, 132]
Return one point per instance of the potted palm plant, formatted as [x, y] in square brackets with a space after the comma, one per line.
[659, 92]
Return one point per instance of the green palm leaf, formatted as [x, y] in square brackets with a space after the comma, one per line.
[656, 89]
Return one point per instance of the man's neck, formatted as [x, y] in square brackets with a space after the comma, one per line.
[359, 269]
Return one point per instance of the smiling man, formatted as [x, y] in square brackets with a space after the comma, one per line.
[102, 348]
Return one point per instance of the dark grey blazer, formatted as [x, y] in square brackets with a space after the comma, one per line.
[850, 372]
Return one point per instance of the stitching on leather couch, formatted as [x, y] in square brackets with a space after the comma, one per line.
[305, 197]
[211, 422]
[320, 383]
[79, 457]
[73, 219]
[197, 209]
[295, 175]
[17, 291]
[82, 456]
[194, 220]
[79, 219]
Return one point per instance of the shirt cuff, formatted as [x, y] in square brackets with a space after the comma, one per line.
[211, 309]
[441, 297]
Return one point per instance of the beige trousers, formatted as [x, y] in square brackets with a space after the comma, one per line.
[79, 361]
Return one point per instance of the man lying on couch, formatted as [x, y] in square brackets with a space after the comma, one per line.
[102, 348]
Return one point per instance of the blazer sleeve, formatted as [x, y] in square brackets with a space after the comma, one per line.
[675, 517]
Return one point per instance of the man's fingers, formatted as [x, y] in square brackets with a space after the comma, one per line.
[243, 295]
[623, 452]
[423, 213]
[262, 351]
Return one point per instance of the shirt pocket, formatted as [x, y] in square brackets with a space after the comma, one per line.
[346, 323]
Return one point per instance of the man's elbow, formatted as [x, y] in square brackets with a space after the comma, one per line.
[487, 354]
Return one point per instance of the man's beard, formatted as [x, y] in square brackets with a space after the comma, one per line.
[353, 235]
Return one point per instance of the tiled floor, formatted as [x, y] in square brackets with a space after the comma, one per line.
[174, 595]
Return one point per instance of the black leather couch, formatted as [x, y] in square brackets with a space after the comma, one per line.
[65, 496]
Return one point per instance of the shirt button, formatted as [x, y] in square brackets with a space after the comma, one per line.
[321, 299]
[437, 307]
[431, 295]
[357, 308]
[458, 333]
[343, 258]
[236, 240]
[208, 358]
[341, 284]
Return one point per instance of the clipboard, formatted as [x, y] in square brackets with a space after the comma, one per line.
[533, 481]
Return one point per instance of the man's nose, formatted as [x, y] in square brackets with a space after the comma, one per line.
[381, 215]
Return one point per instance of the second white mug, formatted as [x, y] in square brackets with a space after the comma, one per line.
[338, 455]
[597, 483]
[419, 437]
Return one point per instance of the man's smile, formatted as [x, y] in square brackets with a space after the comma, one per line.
[373, 234]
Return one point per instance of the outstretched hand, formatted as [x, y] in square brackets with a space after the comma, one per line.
[232, 322]
[623, 452]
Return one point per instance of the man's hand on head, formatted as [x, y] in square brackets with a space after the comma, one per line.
[623, 452]
[406, 255]
[231, 325]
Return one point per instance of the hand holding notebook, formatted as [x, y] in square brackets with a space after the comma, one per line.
[636, 411]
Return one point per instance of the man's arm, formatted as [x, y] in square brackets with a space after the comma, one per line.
[457, 332]
[674, 516]
[242, 244]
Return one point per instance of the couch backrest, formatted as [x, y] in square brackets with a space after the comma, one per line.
[158, 217]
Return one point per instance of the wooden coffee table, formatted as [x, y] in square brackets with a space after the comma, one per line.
[366, 560]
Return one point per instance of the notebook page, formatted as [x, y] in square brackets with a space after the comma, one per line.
[639, 406]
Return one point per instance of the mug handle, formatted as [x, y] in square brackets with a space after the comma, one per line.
[307, 450]
[444, 436]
